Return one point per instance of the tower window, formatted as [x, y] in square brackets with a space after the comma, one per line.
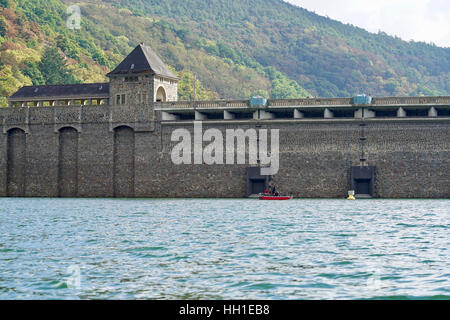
[131, 79]
[118, 99]
[123, 99]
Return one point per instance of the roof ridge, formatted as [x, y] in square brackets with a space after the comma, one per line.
[144, 49]
[66, 84]
[63, 90]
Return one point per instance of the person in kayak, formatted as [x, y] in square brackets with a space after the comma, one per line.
[274, 191]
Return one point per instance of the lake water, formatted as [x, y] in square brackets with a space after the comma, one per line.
[224, 249]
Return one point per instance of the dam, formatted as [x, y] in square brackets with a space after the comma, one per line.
[115, 140]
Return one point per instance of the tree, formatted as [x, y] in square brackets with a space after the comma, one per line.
[5, 3]
[186, 88]
[391, 87]
[54, 69]
[32, 71]
[3, 26]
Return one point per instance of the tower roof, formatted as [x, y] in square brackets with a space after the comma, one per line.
[142, 59]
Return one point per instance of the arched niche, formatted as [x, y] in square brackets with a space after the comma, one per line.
[161, 95]
[68, 162]
[123, 162]
[16, 162]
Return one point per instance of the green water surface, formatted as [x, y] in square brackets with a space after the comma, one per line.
[224, 249]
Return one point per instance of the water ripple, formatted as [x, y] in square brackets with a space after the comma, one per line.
[224, 249]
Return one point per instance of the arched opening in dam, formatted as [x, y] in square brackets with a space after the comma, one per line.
[16, 162]
[123, 162]
[160, 95]
[68, 162]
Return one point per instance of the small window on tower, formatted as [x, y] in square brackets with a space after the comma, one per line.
[118, 99]
[123, 99]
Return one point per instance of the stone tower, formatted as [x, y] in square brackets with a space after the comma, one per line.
[141, 79]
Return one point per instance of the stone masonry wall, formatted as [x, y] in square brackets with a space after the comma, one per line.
[411, 157]
[412, 161]
[147, 85]
[132, 90]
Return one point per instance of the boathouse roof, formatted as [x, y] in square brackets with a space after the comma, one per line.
[67, 91]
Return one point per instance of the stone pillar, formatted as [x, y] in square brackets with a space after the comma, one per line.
[298, 114]
[432, 112]
[401, 113]
[165, 116]
[328, 114]
[38, 104]
[263, 115]
[10, 104]
[227, 115]
[367, 113]
[200, 116]
[23, 104]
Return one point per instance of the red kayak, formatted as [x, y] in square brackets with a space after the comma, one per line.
[275, 197]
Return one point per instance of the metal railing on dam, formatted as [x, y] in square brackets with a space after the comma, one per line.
[225, 110]
[224, 104]
[217, 104]
[442, 100]
[327, 108]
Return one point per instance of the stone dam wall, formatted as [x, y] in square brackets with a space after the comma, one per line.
[106, 151]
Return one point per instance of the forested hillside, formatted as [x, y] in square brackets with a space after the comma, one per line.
[236, 48]
[326, 57]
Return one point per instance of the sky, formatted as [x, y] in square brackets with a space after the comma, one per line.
[418, 20]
